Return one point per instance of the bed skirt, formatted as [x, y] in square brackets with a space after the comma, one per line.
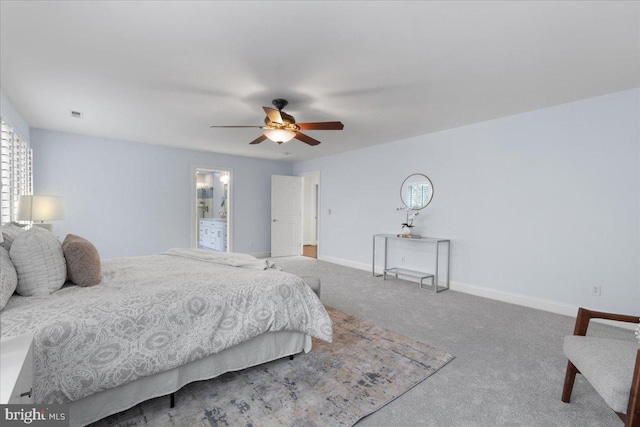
[261, 349]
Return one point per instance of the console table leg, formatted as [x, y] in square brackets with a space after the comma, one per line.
[437, 262]
[373, 258]
[448, 262]
[385, 254]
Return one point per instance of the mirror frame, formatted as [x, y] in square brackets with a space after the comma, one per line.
[402, 186]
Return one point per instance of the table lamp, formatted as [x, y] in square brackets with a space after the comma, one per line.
[39, 209]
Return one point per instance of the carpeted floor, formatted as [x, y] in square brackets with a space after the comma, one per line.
[335, 385]
[509, 367]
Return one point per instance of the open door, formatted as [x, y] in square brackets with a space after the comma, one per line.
[286, 215]
[310, 209]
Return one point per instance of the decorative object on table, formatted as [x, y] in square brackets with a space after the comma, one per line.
[416, 192]
[334, 385]
[281, 127]
[408, 224]
[38, 209]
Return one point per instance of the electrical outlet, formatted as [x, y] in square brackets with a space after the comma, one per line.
[596, 290]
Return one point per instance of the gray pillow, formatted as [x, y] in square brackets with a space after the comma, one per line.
[83, 261]
[10, 231]
[39, 261]
[8, 277]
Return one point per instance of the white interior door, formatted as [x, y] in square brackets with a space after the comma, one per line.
[286, 215]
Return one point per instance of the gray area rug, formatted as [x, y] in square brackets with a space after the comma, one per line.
[335, 384]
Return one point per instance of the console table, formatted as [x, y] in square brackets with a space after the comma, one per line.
[435, 286]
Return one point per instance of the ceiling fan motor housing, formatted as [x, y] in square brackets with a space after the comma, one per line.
[280, 103]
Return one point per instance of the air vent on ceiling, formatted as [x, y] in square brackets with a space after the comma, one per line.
[76, 114]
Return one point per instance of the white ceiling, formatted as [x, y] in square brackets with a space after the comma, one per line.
[162, 72]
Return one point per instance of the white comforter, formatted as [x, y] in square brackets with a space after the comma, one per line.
[153, 313]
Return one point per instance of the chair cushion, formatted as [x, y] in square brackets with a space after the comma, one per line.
[39, 261]
[83, 261]
[607, 364]
[313, 283]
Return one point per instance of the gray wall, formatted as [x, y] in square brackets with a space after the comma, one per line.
[135, 199]
[543, 204]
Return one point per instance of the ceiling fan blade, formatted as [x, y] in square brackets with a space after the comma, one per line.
[306, 139]
[258, 140]
[236, 127]
[321, 126]
[273, 114]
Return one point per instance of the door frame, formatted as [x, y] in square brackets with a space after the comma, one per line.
[194, 199]
[318, 207]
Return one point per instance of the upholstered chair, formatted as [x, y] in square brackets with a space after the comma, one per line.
[611, 366]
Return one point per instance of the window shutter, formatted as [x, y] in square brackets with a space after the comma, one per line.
[16, 171]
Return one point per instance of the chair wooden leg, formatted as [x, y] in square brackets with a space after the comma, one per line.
[569, 379]
[633, 410]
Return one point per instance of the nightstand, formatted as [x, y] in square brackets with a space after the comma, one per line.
[16, 369]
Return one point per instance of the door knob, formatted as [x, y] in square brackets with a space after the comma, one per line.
[275, 220]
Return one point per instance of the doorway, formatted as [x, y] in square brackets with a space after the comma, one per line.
[211, 207]
[310, 214]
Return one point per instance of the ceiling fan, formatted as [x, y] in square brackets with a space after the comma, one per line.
[282, 127]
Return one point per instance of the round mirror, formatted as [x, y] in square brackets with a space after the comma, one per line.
[416, 191]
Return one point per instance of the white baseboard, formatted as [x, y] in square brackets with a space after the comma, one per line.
[508, 297]
[345, 262]
[518, 299]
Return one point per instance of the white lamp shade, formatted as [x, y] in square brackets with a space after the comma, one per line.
[279, 135]
[224, 178]
[40, 208]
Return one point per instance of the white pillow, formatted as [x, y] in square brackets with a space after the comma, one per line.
[39, 261]
[8, 277]
[9, 232]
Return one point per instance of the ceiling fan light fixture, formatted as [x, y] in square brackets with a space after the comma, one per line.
[279, 135]
[281, 127]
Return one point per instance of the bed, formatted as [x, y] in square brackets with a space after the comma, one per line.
[156, 323]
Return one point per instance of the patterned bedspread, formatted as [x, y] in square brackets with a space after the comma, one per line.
[154, 313]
